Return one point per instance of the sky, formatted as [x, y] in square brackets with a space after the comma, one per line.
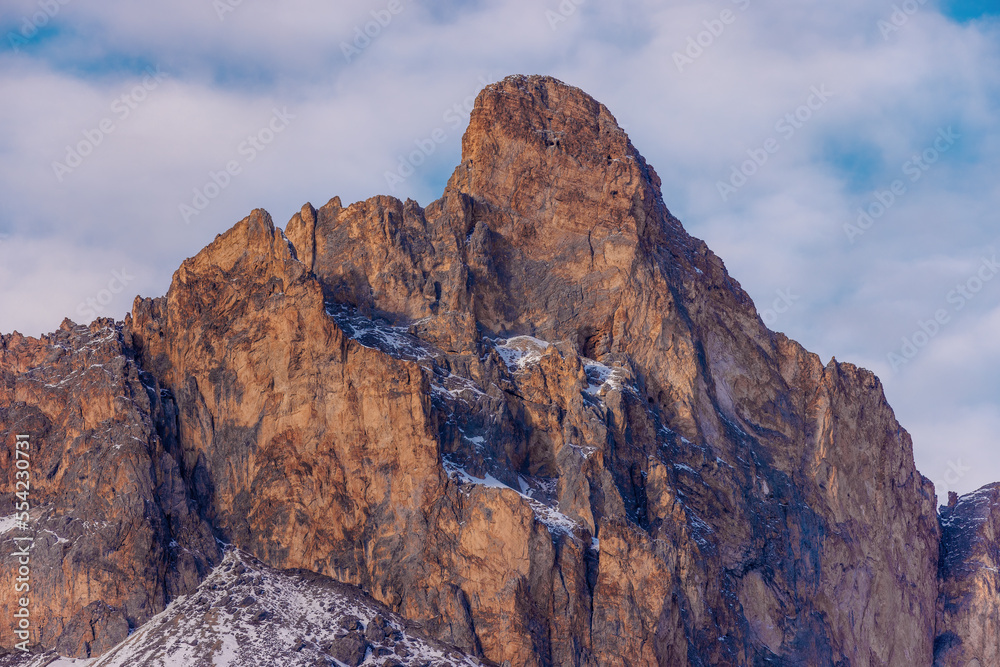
[842, 159]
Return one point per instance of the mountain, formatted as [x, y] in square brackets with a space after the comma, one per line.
[536, 421]
[246, 613]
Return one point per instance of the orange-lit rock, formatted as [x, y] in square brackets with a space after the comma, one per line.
[535, 416]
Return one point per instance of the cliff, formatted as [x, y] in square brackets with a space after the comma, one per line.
[536, 418]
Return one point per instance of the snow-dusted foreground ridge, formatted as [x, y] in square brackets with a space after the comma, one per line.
[246, 614]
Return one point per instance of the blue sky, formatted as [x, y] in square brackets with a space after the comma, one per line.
[968, 10]
[906, 131]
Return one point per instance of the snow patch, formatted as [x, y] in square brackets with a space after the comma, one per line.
[59, 539]
[8, 523]
[520, 351]
[585, 452]
[601, 378]
[378, 334]
[397, 342]
[245, 614]
[554, 520]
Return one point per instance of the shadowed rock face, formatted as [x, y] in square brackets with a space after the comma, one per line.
[535, 416]
[115, 530]
[969, 616]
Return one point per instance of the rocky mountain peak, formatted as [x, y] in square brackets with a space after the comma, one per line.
[534, 422]
[252, 241]
[543, 150]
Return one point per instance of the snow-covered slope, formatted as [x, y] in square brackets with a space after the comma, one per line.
[246, 614]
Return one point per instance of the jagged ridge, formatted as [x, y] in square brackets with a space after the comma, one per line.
[536, 416]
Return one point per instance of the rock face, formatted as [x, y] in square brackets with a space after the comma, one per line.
[115, 530]
[969, 615]
[536, 417]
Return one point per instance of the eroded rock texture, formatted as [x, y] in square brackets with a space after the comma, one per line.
[969, 616]
[115, 530]
[536, 416]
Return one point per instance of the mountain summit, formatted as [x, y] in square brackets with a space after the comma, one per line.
[534, 423]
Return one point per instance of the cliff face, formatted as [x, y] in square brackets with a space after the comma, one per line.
[536, 417]
[969, 614]
[115, 530]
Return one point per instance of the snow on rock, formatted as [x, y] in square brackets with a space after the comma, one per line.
[520, 351]
[378, 334]
[245, 614]
[601, 378]
[397, 342]
[47, 659]
[8, 523]
[554, 520]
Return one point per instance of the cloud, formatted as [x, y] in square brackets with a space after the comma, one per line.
[368, 84]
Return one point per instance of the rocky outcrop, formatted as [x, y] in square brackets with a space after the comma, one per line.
[245, 613]
[536, 416]
[764, 471]
[113, 531]
[969, 614]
